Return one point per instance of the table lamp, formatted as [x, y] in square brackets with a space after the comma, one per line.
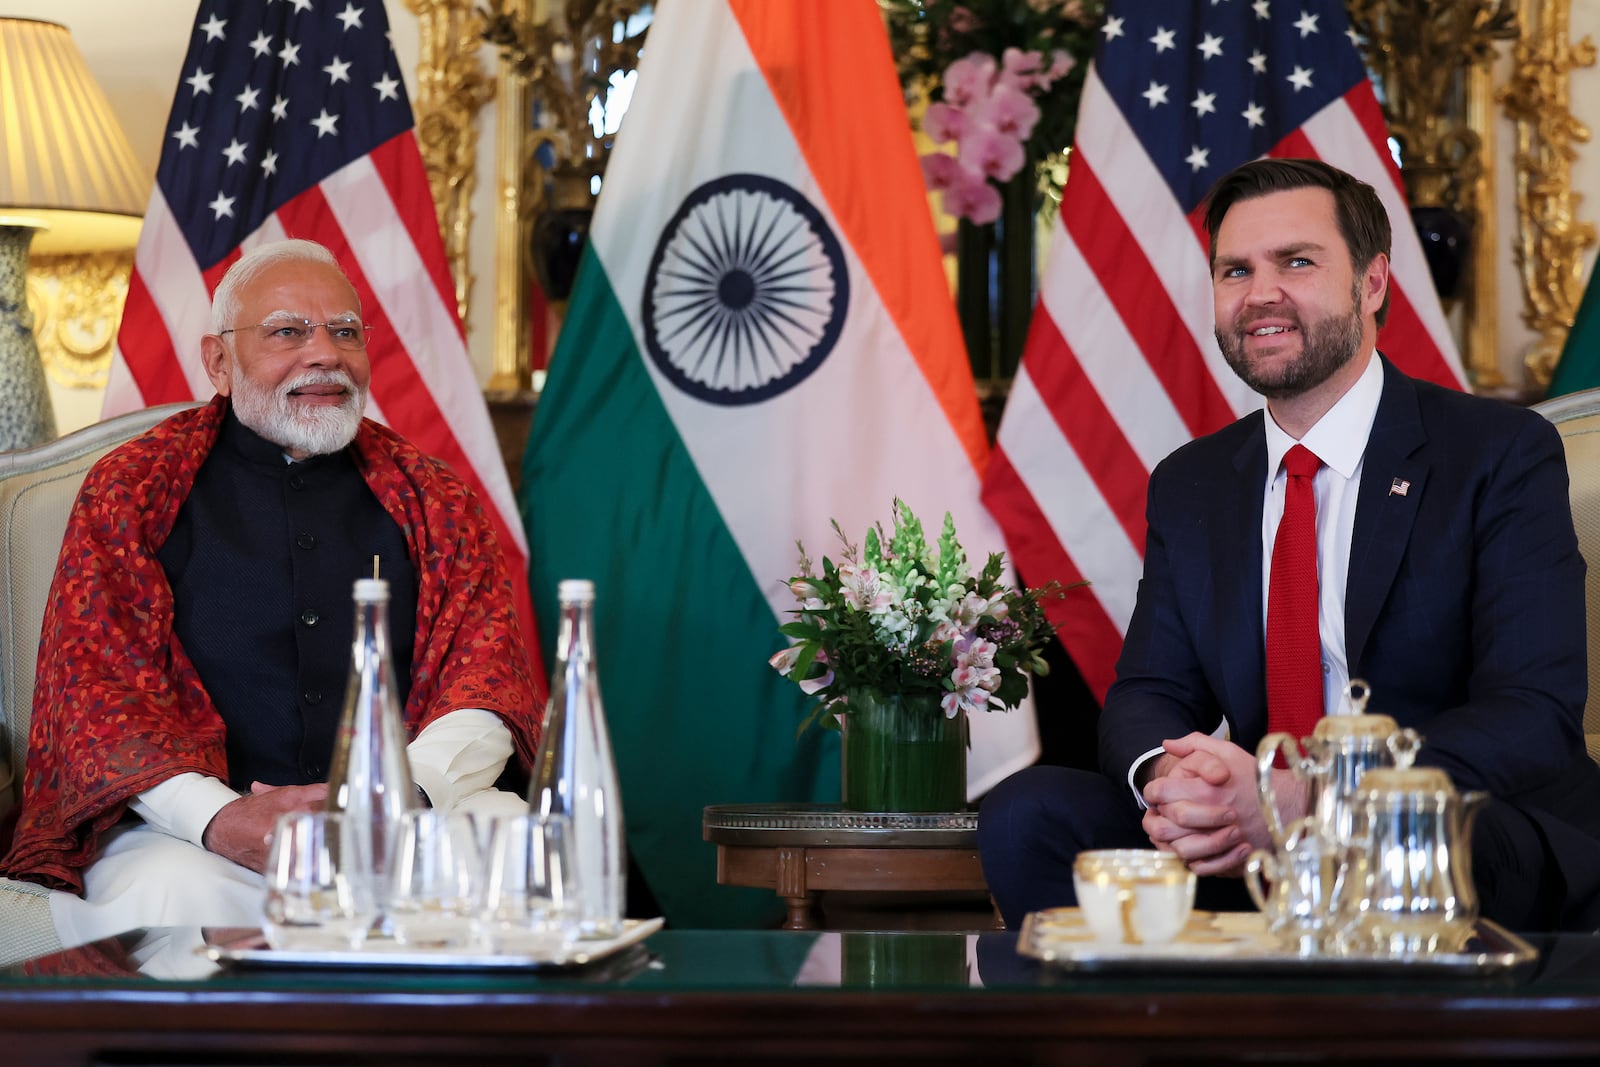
[68, 174]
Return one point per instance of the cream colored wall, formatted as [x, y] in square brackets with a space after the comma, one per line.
[135, 50]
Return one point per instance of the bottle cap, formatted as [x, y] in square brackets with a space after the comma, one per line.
[575, 589]
[372, 589]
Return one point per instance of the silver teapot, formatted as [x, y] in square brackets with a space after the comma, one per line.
[1331, 762]
[1410, 889]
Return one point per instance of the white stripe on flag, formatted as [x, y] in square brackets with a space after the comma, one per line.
[172, 277]
[1099, 338]
[1163, 232]
[1336, 135]
[426, 327]
[1071, 503]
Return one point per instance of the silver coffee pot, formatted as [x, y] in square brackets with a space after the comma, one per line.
[1410, 878]
[1331, 763]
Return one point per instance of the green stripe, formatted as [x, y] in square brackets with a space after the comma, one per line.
[683, 632]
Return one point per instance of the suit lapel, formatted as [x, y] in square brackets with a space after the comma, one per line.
[1392, 483]
[1236, 565]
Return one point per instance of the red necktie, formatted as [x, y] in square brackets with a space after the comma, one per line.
[1294, 648]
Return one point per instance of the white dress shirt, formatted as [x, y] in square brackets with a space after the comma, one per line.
[1339, 440]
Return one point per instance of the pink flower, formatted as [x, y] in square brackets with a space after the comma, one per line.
[968, 79]
[973, 198]
[1061, 63]
[943, 123]
[940, 171]
[1010, 111]
[1020, 69]
[992, 153]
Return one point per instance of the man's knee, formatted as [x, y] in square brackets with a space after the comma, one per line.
[1055, 809]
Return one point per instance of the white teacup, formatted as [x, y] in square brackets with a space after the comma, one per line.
[1133, 896]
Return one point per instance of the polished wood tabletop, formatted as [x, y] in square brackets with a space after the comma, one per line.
[688, 996]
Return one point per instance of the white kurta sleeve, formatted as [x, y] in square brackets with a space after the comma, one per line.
[183, 805]
[457, 758]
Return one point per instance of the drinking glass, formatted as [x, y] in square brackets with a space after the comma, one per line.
[436, 880]
[319, 885]
[529, 902]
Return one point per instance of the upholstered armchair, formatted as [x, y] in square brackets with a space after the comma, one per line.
[1577, 417]
[37, 488]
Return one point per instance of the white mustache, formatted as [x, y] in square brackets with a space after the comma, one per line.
[321, 377]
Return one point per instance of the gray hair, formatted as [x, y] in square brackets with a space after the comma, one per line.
[225, 301]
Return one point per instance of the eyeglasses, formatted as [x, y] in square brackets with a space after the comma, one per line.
[286, 334]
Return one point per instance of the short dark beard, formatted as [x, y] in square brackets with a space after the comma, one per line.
[1327, 344]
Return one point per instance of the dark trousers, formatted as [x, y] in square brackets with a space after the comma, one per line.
[1033, 825]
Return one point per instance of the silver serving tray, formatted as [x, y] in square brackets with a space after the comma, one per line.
[1238, 942]
[252, 950]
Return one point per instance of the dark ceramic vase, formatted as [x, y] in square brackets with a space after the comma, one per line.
[1446, 243]
[558, 238]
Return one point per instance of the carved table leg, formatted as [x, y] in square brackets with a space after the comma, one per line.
[790, 879]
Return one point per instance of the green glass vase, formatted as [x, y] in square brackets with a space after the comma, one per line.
[902, 754]
[876, 959]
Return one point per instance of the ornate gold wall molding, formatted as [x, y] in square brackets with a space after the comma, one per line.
[452, 87]
[555, 62]
[1551, 239]
[77, 305]
[1422, 52]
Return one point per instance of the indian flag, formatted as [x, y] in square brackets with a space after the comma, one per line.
[761, 340]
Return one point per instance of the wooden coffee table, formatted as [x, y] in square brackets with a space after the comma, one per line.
[802, 850]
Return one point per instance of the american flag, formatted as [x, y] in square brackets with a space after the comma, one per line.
[291, 120]
[1120, 366]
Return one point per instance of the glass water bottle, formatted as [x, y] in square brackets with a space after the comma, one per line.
[574, 774]
[370, 779]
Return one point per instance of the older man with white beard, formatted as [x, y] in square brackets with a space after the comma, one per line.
[197, 641]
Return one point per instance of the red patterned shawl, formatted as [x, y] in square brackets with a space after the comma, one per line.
[118, 706]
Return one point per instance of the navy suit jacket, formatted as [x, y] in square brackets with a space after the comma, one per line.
[1464, 607]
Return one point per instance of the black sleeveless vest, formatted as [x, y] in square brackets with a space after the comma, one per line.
[261, 562]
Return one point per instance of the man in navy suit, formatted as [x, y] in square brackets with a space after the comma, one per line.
[1449, 579]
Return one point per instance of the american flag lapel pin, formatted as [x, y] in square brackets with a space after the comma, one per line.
[1399, 487]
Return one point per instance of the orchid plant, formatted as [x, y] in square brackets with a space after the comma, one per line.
[1003, 78]
[901, 616]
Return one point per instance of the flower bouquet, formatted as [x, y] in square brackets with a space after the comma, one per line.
[1004, 77]
[899, 643]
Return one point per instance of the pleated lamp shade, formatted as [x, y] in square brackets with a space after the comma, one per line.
[64, 160]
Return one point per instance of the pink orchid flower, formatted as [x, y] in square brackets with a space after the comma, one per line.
[968, 79]
[943, 122]
[972, 198]
[991, 153]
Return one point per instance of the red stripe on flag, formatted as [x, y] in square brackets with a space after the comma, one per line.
[1089, 635]
[148, 350]
[1404, 338]
[400, 168]
[1091, 429]
[397, 384]
[403, 395]
[1139, 294]
[1363, 104]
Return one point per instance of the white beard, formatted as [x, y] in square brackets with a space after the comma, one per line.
[314, 430]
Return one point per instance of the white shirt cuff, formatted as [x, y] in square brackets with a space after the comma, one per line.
[1134, 771]
[183, 805]
[459, 754]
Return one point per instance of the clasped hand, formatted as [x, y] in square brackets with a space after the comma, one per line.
[242, 830]
[1205, 806]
